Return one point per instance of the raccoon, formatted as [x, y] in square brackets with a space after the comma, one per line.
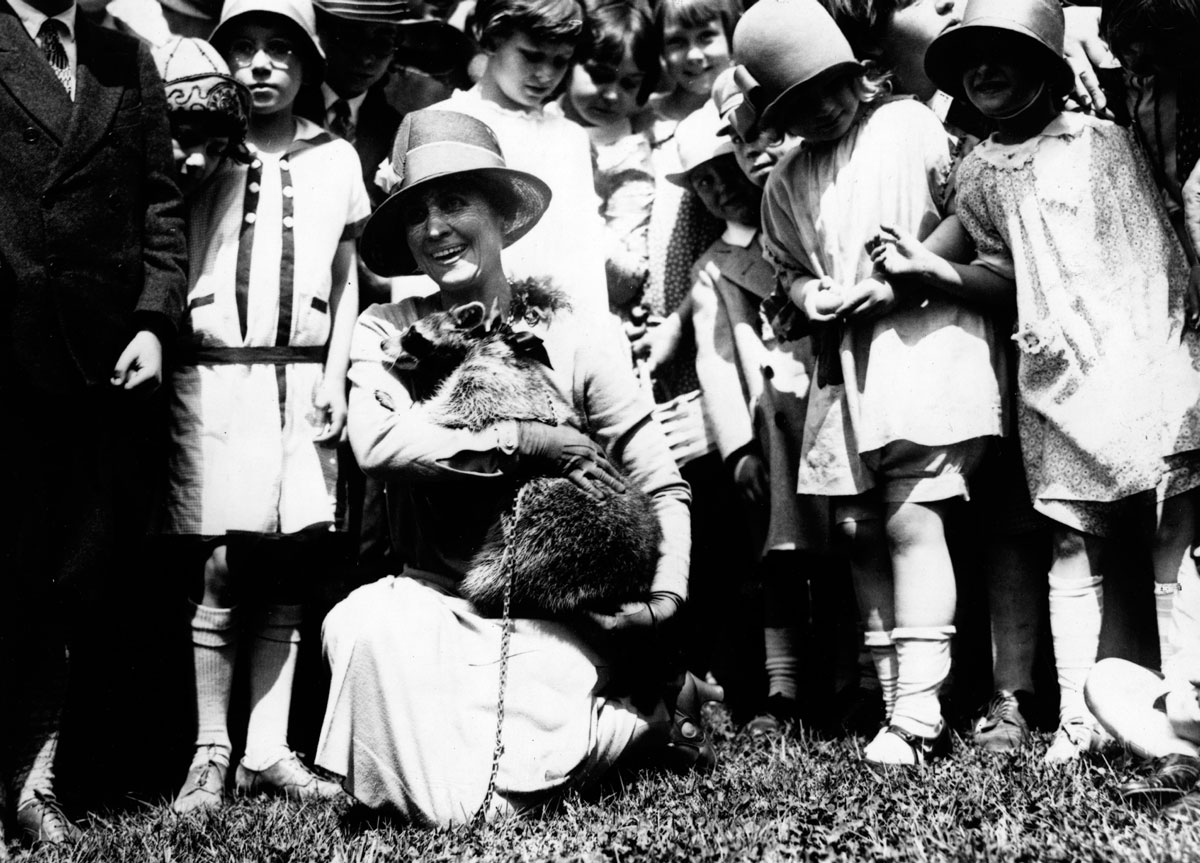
[566, 551]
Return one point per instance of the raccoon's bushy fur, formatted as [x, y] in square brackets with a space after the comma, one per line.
[568, 552]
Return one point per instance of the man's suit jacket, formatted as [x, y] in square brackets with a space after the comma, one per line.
[91, 226]
[374, 132]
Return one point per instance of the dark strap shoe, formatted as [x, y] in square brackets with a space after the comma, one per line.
[689, 748]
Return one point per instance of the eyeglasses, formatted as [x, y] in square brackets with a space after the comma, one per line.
[280, 52]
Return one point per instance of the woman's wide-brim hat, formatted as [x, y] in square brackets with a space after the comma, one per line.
[787, 44]
[298, 12]
[431, 146]
[1040, 22]
[699, 139]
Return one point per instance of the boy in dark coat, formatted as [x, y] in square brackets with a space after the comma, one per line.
[91, 289]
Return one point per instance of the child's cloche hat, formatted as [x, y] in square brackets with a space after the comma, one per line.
[785, 44]
[431, 145]
[734, 104]
[298, 12]
[699, 138]
[1040, 22]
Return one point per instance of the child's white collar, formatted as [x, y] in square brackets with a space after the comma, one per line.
[739, 235]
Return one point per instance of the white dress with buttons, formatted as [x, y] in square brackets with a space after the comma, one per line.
[262, 241]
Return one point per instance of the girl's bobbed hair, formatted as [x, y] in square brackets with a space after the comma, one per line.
[544, 20]
[696, 13]
[626, 26]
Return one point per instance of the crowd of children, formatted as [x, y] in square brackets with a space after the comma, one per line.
[916, 296]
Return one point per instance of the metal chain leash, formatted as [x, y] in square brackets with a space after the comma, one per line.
[480, 817]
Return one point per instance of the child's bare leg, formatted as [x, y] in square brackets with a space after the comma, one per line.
[1173, 539]
[1076, 611]
[871, 572]
[214, 649]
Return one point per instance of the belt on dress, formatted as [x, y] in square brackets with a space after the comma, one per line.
[265, 355]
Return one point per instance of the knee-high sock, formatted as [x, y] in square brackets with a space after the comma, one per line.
[1164, 612]
[1076, 608]
[35, 742]
[272, 671]
[214, 651]
[922, 664]
[883, 657]
[782, 660]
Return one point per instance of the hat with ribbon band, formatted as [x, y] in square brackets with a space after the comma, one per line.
[433, 146]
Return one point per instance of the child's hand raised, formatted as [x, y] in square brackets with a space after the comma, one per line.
[898, 253]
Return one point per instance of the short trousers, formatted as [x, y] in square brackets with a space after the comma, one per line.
[906, 472]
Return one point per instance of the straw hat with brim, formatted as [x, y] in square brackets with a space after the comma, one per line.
[370, 11]
[698, 140]
[789, 44]
[434, 145]
[1038, 22]
[299, 13]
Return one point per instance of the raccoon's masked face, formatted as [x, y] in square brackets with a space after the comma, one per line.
[434, 346]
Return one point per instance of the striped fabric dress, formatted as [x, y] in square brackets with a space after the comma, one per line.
[262, 239]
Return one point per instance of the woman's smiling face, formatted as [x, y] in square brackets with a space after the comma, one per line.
[454, 234]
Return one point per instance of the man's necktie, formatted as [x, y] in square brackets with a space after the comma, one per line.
[339, 120]
[50, 37]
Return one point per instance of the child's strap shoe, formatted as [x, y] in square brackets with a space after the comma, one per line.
[896, 747]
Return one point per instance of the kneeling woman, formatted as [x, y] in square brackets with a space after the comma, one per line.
[412, 715]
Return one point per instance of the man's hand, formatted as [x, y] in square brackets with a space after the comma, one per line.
[140, 367]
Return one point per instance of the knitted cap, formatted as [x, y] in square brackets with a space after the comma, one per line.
[197, 80]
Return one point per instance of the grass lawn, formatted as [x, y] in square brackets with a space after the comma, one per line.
[795, 799]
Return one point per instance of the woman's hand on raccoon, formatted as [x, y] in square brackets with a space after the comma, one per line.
[571, 454]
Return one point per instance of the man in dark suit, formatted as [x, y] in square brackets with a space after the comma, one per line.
[91, 289]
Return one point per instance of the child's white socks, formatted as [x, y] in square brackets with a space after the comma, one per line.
[1164, 614]
[273, 655]
[214, 651]
[1076, 609]
[782, 661]
[883, 657]
[923, 663]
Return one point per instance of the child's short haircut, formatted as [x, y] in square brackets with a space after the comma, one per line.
[543, 20]
[620, 26]
[696, 13]
[1124, 23]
